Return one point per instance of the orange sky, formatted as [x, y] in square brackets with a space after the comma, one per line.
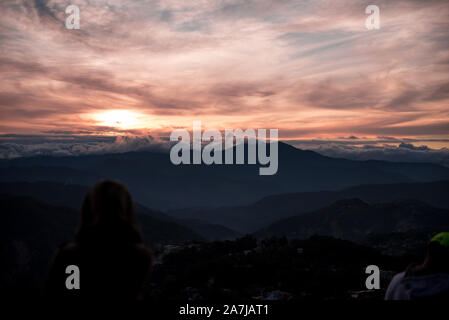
[309, 68]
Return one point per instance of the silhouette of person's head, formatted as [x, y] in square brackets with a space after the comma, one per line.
[108, 214]
[436, 259]
[108, 249]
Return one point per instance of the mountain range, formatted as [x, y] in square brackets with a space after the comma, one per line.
[269, 209]
[156, 183]
[354, 219]
[368, 202]
[69, 195]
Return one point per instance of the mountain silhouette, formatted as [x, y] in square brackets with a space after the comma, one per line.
[275, 207]
[155, 182]
[354, 219]
[24, 217]
[59, 194]
[48, 173]
[210, 231]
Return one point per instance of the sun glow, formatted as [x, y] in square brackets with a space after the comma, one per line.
[123, 119]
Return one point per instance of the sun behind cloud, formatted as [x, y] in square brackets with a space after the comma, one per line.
[122, 119]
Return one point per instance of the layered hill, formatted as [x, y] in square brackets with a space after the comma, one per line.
[156, 183]
[354, 219]
[272, 208]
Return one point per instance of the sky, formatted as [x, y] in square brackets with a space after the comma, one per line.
[308, 68]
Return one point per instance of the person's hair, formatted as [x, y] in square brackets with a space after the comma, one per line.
[435, 261]
[109, 205]
[437, 257]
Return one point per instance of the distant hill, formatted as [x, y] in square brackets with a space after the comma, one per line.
[26, 217]
[272, 208]
[54, 193]
[60, 194]
[30, 233]
[70, 195]
[210, 231]
[353, 219]
[48, 173]
[155, 182]
[433, 193]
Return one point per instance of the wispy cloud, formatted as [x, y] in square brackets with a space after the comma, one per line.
[309, 68]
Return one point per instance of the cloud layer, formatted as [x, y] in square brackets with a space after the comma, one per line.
[309, 68]
[354, 148]
[380, 148]
[15, 146]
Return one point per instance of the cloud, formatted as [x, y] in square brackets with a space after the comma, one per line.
[412, 147]
[14, 146]
[75, 143]
[382, 148]
[309, 68]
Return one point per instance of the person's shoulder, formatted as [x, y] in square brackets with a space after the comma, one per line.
[397, 279]
[391, 293]
[399, 276]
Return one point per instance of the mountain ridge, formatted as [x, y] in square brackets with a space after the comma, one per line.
[275, 207]
[157, 183]
[354, 219]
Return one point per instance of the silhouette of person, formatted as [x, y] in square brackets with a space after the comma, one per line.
[429, 279]
[108, 250]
